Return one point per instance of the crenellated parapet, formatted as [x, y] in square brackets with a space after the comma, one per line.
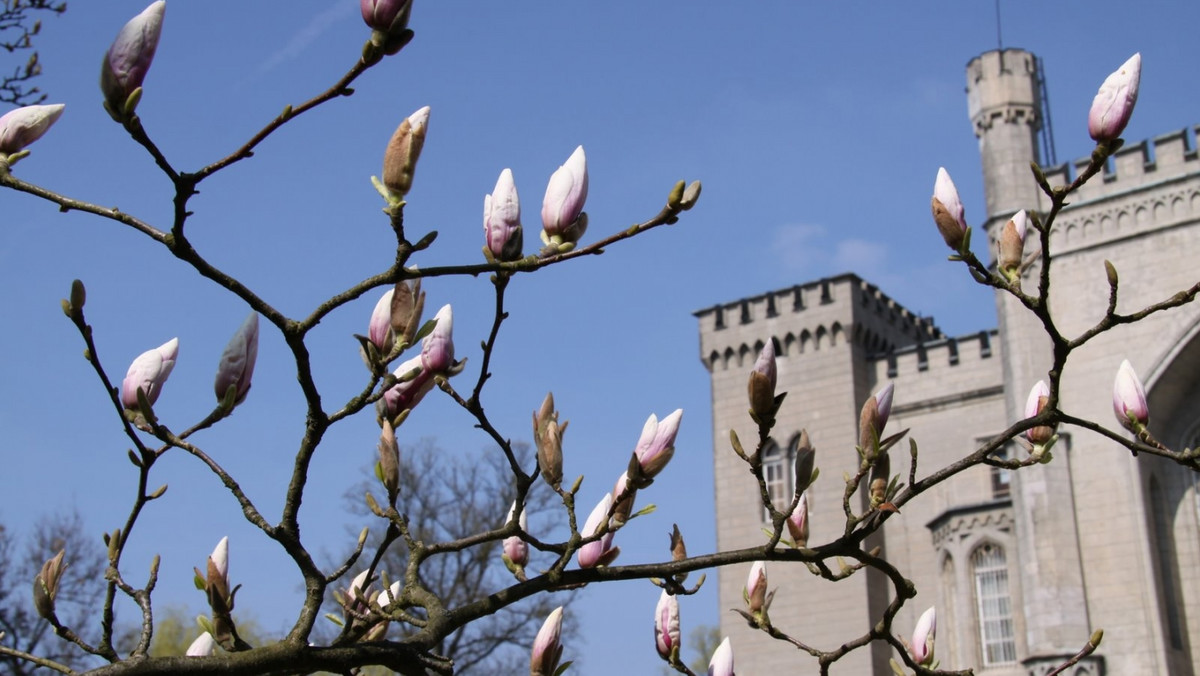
[949, 369]
[803, 319]
[1150, 185]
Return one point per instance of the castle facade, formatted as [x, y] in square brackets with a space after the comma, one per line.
[1021, 566]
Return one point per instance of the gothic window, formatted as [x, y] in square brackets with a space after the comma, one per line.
[1001, 478]
[993, 605]
[777, 473]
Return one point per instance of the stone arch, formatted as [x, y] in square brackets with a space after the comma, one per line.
[729, 356]
[743, 353]
[1160, 212]
[713, 358]
[1124, 222]
[1195, 202]
[1142, 216]
[822, 333]
[789, 341]
[1106, 224]
[1071, 233]
[836, 333]
[1088, 230]
[1178, 208]
[806, 340]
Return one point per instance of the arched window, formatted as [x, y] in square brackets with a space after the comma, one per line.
[993, 605]
[777, 473]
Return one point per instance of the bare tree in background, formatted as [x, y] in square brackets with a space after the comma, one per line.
[79, 599]
[19, 23]
[449, 496]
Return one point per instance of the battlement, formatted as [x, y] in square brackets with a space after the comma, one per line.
[1147, 185]
[942, 370]
[1134, 166]
[807, 317]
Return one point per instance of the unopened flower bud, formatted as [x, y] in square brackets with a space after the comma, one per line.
[921, 647]
[762, 384]
[806, 458]
[547, 435]
[1011, 245]
[515, 548]
[678, 548]
[22, 126]
[624, 494]
[387, 16]
[874, 416]
[45, 585]
[547, 651]
[129, 58]
[1039, 397]
[389, 462]
[203, 646]
[236, 367]
[1129, 399]
[600, 552]
[437, 349]
[403, 150]
[797, 522]
[948, 212]
[149, 373]
[721, 663]
[666, 626]
[1113, 105]
[408, 393]
[756, 588]
[656, 446]
[880, 476]
[502, 219]
[218, 570]
[565, 195]
[379, 329]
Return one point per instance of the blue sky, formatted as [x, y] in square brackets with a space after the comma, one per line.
[817, 129]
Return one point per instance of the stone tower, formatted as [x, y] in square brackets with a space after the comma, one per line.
[1021, 568]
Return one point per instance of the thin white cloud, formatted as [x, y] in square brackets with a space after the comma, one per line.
[799, 248]
[301, 40]
[859, 255]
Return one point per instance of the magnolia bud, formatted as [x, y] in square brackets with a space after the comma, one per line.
[921, 647]
[624, 494]
[948, 212]
[406, 394]
[678, 548]
[389, 462]
[1129, 399]
[656, 446]
[388, 16]
[666, 626]
[722, 660]
[806, 458]
[379, 329]
[437, 349]
[1011, 244]
[408, 304]
[1113, 105]
[203, 646]
[756, 587]
[22, 126]
[547, 651]
[502, 219]
[515, 548]
[600, 552]
[797, 522]
[873, 418]
[880, 475]
[403, 150]
[547, 435]
[565, 195]
[762, 383]
[45, 585]
[149, 373]
[1039, 396]
[129, 58]
[236, 367]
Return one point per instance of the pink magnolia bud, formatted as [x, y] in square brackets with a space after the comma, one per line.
[922, 638]
[547, 651]
[437, 349]
[722, 660]
[666, 625]
[407, 394]
[502, 219]
[797, 522]
[379, 330]
[600, 552]
[624, 495]
[149, 372]
[948, 212]
[565, 195]
[756, 587]
[1113, 105]
[236, 367]
[515, 548]
[403, 151]
[1129, 399]
[202, 647]
[762, 383]
[128, 59]
[358, 587]
[389, 596]
[382, 15]
[874, 417]
[220, 558]
[657, 443]
[1011, 244]
[1039, 396]
[22, 126]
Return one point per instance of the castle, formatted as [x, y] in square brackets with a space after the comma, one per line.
[1021, 566]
